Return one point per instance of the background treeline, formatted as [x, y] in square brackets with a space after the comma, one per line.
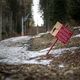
[11, 15]
[65, 11]
[12, 11]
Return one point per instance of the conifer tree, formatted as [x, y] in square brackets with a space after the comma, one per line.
[74, 9]
[54, 10]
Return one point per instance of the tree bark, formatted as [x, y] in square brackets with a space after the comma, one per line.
[0, 19]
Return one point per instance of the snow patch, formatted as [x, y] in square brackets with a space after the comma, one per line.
[21, 55]
[15, 39]
[76, 36]
[40, 34]
[61, 66]
[77, 27]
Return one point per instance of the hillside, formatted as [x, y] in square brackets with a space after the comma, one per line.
[24, 58]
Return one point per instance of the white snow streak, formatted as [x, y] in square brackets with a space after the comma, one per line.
[20, 54]
[76, 36]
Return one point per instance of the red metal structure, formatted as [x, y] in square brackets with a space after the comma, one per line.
[62, 33]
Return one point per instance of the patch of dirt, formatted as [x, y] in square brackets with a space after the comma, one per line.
[45, 41]
[69, 58]
[39, 43]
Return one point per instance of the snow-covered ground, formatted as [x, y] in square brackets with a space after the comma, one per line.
[77, 27]
[76, 36]
[15, 51]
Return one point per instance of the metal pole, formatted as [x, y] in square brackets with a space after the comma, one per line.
[52, 46]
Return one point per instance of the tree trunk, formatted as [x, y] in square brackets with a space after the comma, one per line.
[37, 29]
[0, 19]
[11, 24]
[22, 31]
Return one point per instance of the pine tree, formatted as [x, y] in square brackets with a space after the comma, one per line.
[54, 10]
[74, 9]
[59, 11]
[14, 7]
[0, 19]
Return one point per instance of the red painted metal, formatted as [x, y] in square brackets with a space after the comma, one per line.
[64, 34]
[52, 46]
